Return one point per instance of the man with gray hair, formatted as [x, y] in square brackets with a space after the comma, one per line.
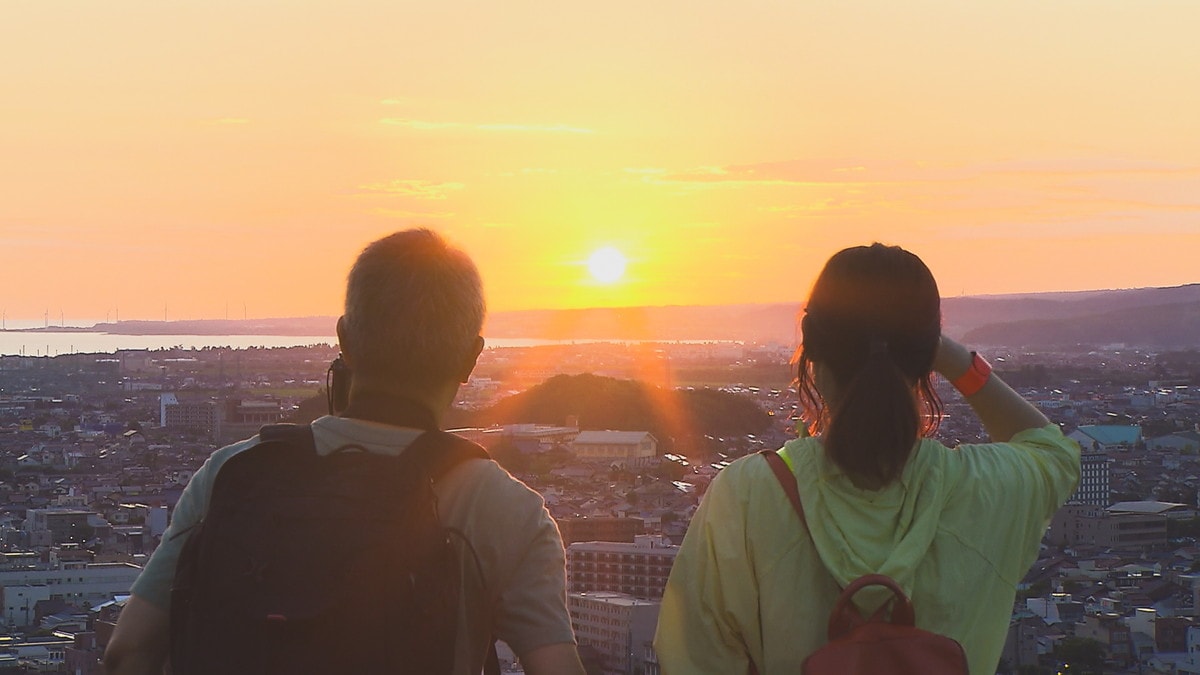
[410, 336]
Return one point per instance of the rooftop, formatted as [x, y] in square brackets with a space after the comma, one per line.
[1145, 507]
[614, 598]
[618, 437]
[1113, 434]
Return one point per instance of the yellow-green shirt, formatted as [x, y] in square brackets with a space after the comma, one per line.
[958, 530]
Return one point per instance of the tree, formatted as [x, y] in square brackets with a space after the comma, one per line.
[310, 408]
[678, 419]
[510, 457]
[1080, 656]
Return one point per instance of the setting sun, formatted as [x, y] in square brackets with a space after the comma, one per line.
[607, 265]
[522, 145]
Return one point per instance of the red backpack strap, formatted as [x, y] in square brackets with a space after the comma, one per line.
[787, 480]
[845, 618]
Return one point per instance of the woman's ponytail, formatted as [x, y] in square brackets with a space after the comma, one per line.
[869, 334]
[875, 421]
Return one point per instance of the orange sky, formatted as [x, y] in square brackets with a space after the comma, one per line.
[238, 154]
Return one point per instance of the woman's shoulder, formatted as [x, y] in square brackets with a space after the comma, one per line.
[745, 474]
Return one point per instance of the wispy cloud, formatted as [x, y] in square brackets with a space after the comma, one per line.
[549, 128]
[754, 175]
[421, 125]
[414, 215]
[820, 172]
[529, 171]
[420, 189]
[426, 125]
[1039, 198]
[1088, 167]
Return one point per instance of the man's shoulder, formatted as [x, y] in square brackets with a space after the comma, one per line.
[481, 491]
[227, 452]
[487, 478]
[203, 479]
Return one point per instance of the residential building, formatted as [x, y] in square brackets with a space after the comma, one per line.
[538, 437]
[1170, 633]
[639, 569]
[1024, 636]
[1187, 442]
[1192, 665]
[619, 626]
[1102, 437]
[242, 418]
[202, 415]
[1111, 631]
[1055, 609]
[61, 525]
[1094, 486]
[91, 584]
[622, 530]
[629, 449]
[1124, 527]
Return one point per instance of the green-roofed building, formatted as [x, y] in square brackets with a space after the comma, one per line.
[1101, 437]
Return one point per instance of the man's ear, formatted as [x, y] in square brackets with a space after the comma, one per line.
[341, 336]
[471, 360]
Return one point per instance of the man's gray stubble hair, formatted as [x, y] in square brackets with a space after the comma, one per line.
[414, 306]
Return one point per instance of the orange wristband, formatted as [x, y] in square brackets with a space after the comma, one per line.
[976, 376]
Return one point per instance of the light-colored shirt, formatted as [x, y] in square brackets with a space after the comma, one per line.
[958, 530]
[522, 598]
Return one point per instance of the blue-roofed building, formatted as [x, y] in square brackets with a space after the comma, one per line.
[1181, 441]
[1101, 437]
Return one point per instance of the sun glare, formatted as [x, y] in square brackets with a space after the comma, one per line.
[606, 265]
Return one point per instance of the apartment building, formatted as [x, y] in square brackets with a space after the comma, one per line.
[619, 626]
[639, 569]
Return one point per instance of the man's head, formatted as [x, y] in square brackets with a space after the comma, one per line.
[414, 310]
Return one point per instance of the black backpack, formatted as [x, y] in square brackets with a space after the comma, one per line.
[311, 564]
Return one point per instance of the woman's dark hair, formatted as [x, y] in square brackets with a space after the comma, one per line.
[873, 322]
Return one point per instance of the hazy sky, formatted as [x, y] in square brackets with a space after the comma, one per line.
[205, 155]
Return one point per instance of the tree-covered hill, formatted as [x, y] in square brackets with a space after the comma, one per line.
[677, 418]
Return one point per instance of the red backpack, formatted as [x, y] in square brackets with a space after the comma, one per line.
[877, 645]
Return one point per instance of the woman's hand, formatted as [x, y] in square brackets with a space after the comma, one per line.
[951, 359]
[1003, 412]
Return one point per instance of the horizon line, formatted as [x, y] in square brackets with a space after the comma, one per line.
[77, 323]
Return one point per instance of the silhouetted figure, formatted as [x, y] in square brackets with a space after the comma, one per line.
[409, 336]
[753, 585]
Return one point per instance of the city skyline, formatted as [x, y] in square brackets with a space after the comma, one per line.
[231, 159]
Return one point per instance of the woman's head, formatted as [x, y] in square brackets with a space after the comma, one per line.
[870, 331]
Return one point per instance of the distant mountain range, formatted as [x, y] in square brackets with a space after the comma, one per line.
[1143, 317]
[1152, 318]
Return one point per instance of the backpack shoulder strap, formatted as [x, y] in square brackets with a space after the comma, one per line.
[275, 441]
[787, 480]
[437, 452]
[293, 434]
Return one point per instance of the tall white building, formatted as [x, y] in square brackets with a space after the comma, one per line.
[1093, 480]
[619, 626]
